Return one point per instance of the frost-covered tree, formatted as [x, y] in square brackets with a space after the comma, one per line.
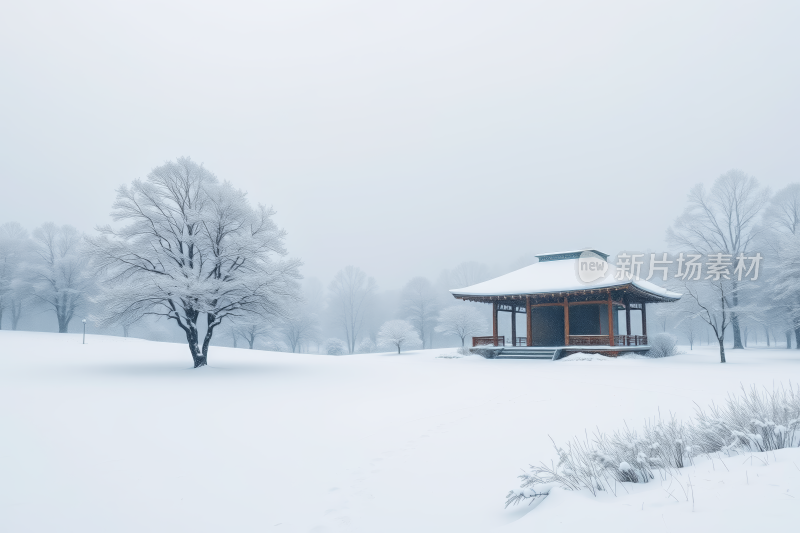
[366, 345]
[299, 327]
[335, 346]
[723, 220]
[420, 305]
[187, 245]
[60, 273]
[784, 292]
[780, 298]
[351, 292]
[398, 334]
[460, 321]
[15, 251]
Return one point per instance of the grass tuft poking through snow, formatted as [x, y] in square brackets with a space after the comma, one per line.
[751, 421]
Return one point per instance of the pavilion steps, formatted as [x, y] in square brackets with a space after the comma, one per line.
[525, 352]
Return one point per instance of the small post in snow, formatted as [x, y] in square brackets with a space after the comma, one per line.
[84, 331]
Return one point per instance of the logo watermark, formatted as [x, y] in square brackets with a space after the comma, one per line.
[590, 267]
[630, 266]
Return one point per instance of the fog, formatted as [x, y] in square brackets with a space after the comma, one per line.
[402, 138]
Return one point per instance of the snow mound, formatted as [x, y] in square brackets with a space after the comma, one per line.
[580, 356]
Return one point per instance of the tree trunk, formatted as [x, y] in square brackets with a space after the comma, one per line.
[721, 350]
[16, 314]
[63, 324]
[1, 318]
[462, 342]
[737, 333]
[788, 339]
[211, 321]
[198, 357]
[398, 348]
[766, 330]
[797, 338]
[125, 331]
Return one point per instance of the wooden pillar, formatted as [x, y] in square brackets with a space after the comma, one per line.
[566, 322]
[628, 317]
[494, 322]
[610, 321]
[528, 319]
[644, 321]
[513, 324]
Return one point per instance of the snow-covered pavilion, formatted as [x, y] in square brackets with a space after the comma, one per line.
[566, 310]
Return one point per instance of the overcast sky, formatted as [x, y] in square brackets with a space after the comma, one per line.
[402, 137]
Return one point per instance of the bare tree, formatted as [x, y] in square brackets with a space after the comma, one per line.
[722, 220]
[689, 327]
[15, 251]
[251, 329]
[783, 212]
[397, 334]
[468, 273]
[460, 321]
[192, 246]
[351, 292]
[420, 305]
[60, 274]
[710, 302]
[299, 327]
[780, 240]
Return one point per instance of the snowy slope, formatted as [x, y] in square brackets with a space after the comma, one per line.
[121, 435]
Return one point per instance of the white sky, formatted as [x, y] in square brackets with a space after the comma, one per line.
[402, 137]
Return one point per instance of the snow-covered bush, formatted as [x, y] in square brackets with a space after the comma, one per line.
[335, 346]
[751, 421]
[463, 350]
[754, 421]
[366, 345]
[663, 345]
[398, 334]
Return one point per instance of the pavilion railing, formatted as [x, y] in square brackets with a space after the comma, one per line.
[603, 340]
[488, 341]
[630, 340]
[588, 340]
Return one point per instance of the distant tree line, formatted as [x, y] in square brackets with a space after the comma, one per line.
[187, 249]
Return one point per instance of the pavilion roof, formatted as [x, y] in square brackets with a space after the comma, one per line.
[559, 277]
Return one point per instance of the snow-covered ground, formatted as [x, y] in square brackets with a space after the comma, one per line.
[121, 435]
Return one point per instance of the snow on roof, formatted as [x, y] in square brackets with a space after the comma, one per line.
[555, 276]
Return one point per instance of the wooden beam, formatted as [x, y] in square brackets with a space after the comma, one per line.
[528, 319]
[494, 323]
[514, 327]
[610, 320]
[591, 302]
[566, 321]
[644, 320]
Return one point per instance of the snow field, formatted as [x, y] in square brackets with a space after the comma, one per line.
[121, 434]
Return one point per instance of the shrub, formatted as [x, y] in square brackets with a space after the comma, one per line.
[750, 421]
[366, 345]
[663, 345]
[754, 421]
[335, 346]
